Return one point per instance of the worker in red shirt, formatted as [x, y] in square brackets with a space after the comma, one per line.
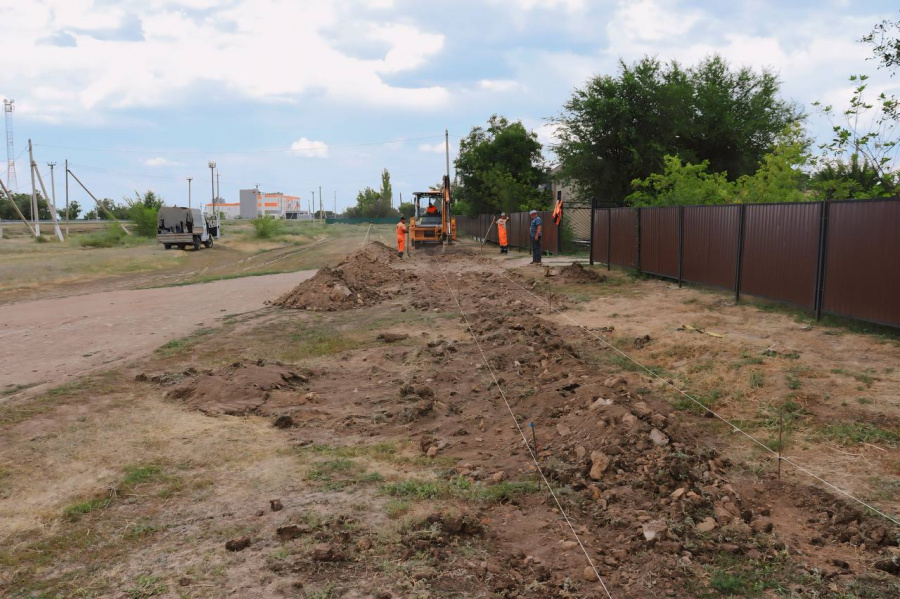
[402, 230]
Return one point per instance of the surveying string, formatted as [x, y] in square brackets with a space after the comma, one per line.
[734, 427]
[522, 433]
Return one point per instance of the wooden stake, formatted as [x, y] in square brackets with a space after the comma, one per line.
[780, 431]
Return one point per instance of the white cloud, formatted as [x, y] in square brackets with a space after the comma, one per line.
[143, 54]
[651, 21]
[437, 148]
[498, 85]
[309, 148]
[160, 161]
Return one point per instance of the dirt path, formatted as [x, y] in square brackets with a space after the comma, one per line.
[51, 341]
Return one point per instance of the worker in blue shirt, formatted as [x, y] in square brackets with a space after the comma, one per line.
[535, 231]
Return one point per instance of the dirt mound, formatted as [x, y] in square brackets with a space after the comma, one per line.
[238, 389]
[576, 273]
[348, 285]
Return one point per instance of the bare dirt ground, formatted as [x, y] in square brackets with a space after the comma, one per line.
[363, 448]
[52, 341]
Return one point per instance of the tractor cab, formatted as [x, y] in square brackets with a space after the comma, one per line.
[432, 222]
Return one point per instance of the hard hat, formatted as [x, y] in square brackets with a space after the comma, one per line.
[503, 214]
[533, 212]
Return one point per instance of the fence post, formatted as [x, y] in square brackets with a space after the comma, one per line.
[559, 233]
[591, 251]
[680, 246]
[740, 254]
[638, 239]
[609, 239]
[819, 298]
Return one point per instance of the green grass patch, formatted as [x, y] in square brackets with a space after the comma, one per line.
[135, 475]
[793, 382]
[757, 379]
[184, 344]
[459, 488]
[860, 432]
[395, 508]
[77, 510]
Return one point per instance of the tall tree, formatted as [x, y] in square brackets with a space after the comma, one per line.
[500, 168]
[387, 194]
[619, 128]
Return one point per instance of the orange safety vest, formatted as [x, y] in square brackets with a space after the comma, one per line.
[431, 210]
[401, 237]
[501, 232]
[557, 213]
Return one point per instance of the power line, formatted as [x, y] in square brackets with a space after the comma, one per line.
[237, 152]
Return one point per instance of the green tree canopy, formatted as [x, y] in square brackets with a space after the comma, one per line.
[619, 128]
[500, 168]
[779, 178]
[374, 204]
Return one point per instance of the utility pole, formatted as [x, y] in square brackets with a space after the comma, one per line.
[321, 212]
[219, 209]
[312, 205]
[34, 203]
[189, 179]
[67, 198]
[212, 181]
[53, 187]
[447, 152]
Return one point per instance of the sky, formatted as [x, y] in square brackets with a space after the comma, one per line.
[293, 95]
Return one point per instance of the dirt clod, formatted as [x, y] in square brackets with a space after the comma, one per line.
[576, 273]
[238, 544]
[283, 422]
[392, 337]
[275, 504]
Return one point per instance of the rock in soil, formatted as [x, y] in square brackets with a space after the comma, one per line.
[599, 463]
[286, 533]
[392, 337]
[283, 422]
[238, 544]
[275, 504]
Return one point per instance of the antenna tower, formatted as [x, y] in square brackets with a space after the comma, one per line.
[11, 183]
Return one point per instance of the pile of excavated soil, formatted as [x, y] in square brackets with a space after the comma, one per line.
[576, 273]
[238, 389]
[350, 284]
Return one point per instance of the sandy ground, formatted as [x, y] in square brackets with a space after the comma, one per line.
[51, 341]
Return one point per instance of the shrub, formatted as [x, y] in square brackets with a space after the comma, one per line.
[144, 220]
[265, 227]
[109, 237]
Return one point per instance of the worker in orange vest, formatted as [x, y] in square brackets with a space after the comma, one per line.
[432, 209]
[501, 233]
[402, 230]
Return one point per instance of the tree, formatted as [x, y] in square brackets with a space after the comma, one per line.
[143, 211]
[23, 201]
[779, 178]
[74, 210]
[865, 136]
[407, 209]
[615, 130]
[387, 193]
[885, 42]
[500, 168]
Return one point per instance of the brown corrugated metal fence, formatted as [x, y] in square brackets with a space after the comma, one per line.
[600, 237]
[623, 246]
[517, 229]
[781, 248]
[709, 254]
[659, 241]
[862, 261]
[842, 258]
